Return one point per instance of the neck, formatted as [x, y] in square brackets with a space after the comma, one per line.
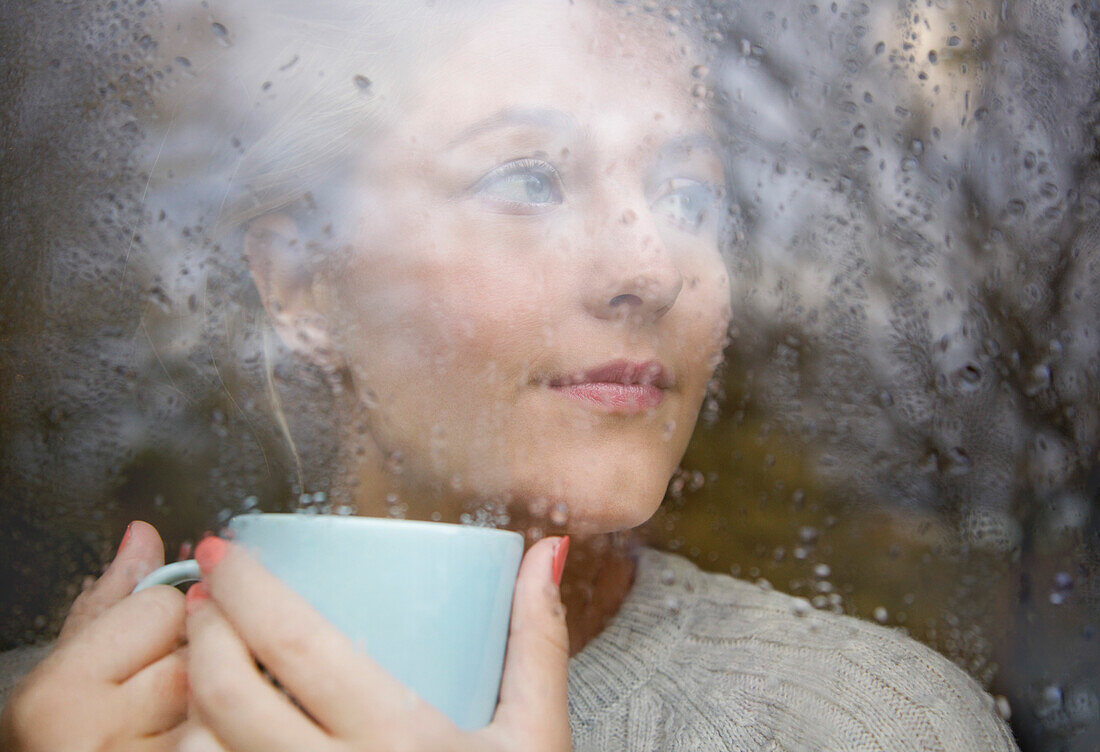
[598, 575]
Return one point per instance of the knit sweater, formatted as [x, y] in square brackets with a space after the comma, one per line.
[697, 661]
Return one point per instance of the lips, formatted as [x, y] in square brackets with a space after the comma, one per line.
[621, 386]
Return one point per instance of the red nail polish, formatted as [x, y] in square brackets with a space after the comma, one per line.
[209, 552]
[196, 594]
[125, 537]
[558, 565]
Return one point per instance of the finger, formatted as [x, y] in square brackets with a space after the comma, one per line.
[139, 553]
[166, 741]
[132, 634]
[337, 684]
[230, 696]
[198, 738]
[156, 696]
[534, 688]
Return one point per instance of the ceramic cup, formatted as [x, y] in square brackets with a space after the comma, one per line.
[429, 601]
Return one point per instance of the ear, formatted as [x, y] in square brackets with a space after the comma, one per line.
[281, 269]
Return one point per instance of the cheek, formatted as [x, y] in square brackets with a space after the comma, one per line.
[454, 301]
[494, 292]
[707, 309]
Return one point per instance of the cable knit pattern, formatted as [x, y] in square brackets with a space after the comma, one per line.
[697, 661]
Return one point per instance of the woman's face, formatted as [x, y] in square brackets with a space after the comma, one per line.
[534, 300]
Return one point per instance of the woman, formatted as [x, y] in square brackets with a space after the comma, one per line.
[520, 307]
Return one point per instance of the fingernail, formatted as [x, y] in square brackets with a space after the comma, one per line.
[125, 537]
[558, 565]
[209, 552]
[196, 594]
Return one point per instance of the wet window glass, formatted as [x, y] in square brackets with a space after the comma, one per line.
[838, 261]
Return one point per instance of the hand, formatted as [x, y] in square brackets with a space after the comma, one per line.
[115, 680]
[241, 613]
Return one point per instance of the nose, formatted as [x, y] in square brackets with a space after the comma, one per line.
[633, 275]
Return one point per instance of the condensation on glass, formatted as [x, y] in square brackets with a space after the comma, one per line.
[907, 423]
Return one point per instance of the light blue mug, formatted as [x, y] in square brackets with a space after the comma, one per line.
[429, 601]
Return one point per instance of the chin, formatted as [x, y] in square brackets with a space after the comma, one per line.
[606, 504]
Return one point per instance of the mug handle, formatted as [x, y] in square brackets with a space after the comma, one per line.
[172, 574]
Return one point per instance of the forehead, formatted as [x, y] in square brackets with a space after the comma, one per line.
[618, 75]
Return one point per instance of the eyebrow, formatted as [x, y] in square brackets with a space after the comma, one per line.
[539, 116]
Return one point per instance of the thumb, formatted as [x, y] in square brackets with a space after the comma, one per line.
[139, 553]
[534, 701]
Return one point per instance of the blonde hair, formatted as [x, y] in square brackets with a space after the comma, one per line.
[265, 106]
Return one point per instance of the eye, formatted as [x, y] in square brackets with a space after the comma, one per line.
[523, 186]
[686, 203]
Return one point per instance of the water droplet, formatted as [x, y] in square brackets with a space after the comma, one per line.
[559, 515]
[1052, 695]
[960, 460]
[668, 577]
[880, 48]
[807, 534]
[969, 376]
[953, 41]
[1004, 707]
[361, 82]
[700, 71]
[800, 606]
[220, 33]
[396, 508]
[1040, 380]
[881, 615]
[395, 462]
[821, 571]
[628, 217]
[933, 57]
[672, 604]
